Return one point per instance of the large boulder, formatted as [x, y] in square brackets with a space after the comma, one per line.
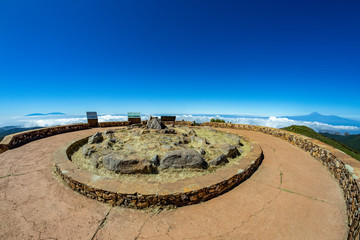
[230, 151]
[109, 133]
[88, 150]
[155, 123]
[221, 159]
[236, 138]
[127, 164]
[183, 158]
[96, 138]
[95, 160]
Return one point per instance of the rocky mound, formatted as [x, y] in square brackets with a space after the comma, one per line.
[156, 148]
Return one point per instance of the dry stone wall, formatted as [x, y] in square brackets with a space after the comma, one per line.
[178, 123]
[19, 139]
[114, 124]
[337, 168]
[3, 148]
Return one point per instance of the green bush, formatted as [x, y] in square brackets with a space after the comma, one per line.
[195, 124]
[217, 120]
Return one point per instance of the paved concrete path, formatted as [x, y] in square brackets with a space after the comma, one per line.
[291, 196]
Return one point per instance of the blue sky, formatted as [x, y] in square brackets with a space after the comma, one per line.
[228, 57]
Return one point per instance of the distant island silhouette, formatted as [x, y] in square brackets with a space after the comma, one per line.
[44, 114]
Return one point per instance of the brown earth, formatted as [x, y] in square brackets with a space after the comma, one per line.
[291, 196]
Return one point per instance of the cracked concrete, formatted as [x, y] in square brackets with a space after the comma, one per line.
[101, 225]
[291, 196]
[142, 226]
[12, 175]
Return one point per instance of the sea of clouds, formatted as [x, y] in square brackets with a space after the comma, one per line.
[275, 122]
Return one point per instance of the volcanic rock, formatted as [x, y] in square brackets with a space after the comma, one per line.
[155, 123]
[88, 150]
[236, 138]
[127, 164]
[155, 160]
[109, 133]
[222, 159]
[113, 139]
[183, 158]
[202, 151]
[96, 138]
[231, 151]
[168, 131]
[192, 132]
[95, 161]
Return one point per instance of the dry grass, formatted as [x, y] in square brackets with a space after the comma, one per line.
[148, 144]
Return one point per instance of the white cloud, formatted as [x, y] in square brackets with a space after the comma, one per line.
[274, 122]
[110, 118]
[52, 122]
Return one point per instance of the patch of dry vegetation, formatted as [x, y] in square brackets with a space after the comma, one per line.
[147, 143]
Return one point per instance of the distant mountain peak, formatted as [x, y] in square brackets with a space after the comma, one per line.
[44, 114]
[327, 119]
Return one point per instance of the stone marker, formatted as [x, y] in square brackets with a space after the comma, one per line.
[155, 123]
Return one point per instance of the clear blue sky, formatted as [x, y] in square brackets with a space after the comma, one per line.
[236, 57]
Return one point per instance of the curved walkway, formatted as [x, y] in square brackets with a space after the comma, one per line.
[291, 196]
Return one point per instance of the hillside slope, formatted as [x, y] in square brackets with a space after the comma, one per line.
[306, 131]
[4, 131]
[352, 141]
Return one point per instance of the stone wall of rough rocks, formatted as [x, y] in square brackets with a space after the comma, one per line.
[114, 124]
[337, 168]
[182, 123]
[3, 148]
[179, 123]
[19, 139]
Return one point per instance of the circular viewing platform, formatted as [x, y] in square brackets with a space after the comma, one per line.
[145, 190]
